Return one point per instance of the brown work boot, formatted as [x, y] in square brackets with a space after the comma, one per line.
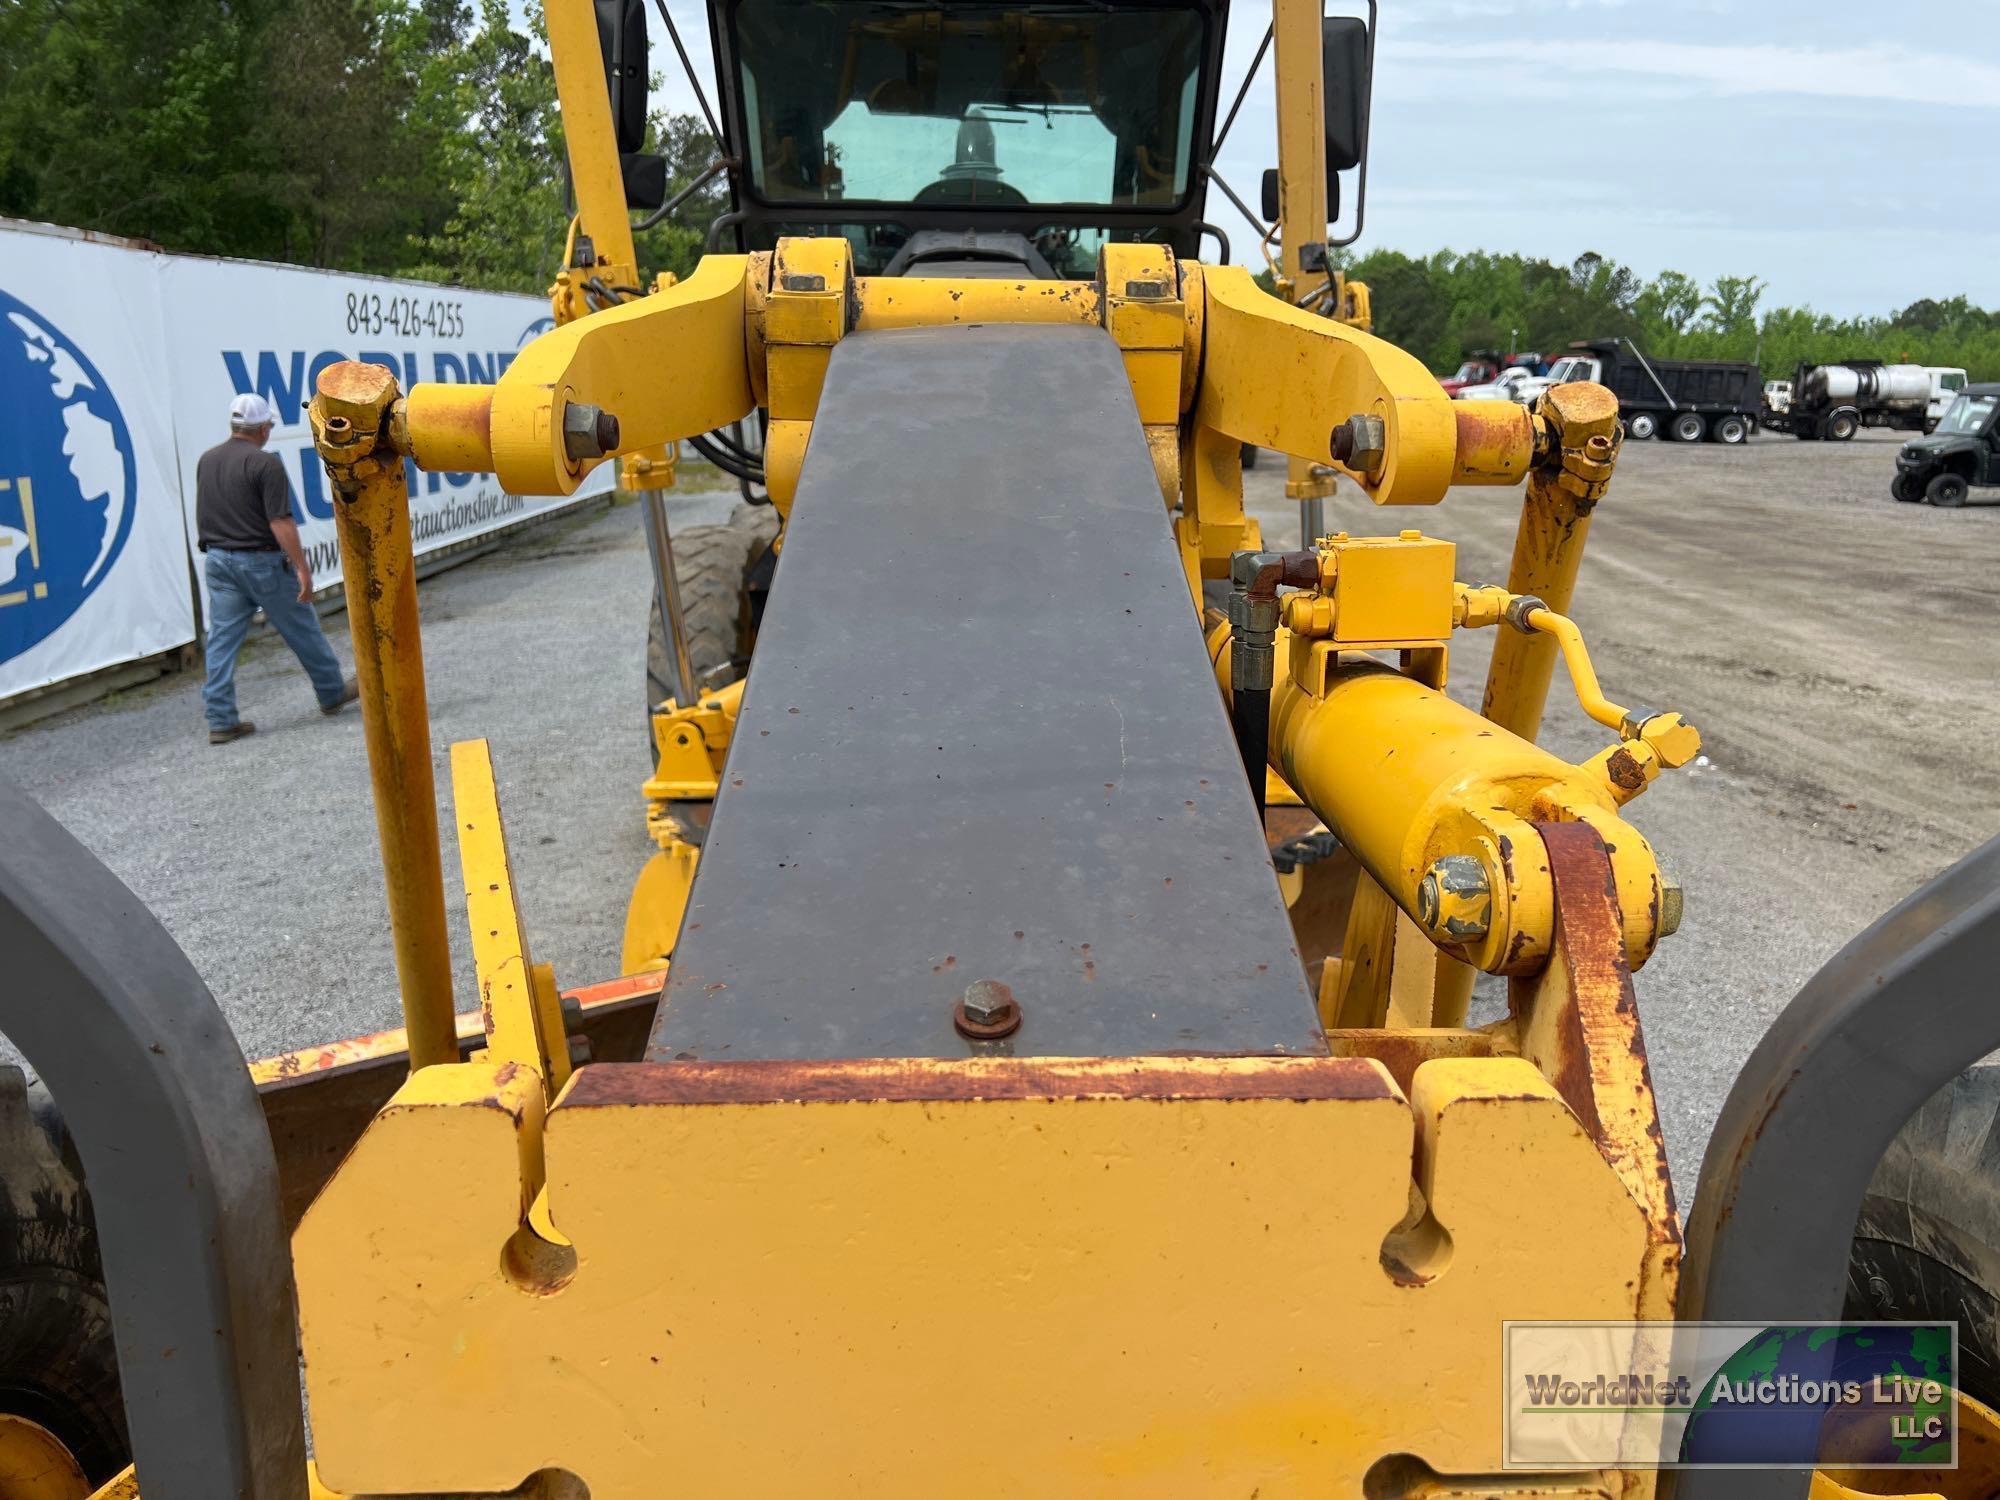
[349, 691]
[233, 732]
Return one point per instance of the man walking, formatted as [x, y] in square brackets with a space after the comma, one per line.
[251, 560]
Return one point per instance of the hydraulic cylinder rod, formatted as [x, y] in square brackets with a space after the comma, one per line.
[1548, 552]
[351, 418]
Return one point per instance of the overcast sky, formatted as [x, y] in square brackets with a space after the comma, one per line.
[1842, 150]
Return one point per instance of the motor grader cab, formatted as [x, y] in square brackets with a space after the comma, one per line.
[937, 140]
[1002, 1121]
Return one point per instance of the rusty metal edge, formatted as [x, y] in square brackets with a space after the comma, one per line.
[376, 1049]
[935, 1080]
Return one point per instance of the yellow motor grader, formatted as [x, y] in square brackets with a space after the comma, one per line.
[983, 1111]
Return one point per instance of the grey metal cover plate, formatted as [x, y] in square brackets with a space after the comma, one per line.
[981, 740]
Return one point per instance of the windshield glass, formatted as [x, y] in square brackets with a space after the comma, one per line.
[895, 101]
[1470, 371]
[1968, 414]
[1563, 371]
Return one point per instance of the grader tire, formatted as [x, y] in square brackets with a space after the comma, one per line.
[58, 1366]
[709, 563]
[1927, 1244]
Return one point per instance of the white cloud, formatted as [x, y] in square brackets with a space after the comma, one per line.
[1893, 74]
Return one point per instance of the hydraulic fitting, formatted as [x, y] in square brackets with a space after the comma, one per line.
[1254, 579]
[1254, 610]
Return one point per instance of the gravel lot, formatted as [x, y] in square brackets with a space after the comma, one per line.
[1835, 648]
[260, 856]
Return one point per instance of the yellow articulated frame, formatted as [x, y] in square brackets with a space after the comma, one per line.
[758, 329]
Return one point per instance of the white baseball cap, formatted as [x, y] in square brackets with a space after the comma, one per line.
[251, 410]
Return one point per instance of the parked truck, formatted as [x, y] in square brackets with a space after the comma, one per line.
[1683, 399]
[1483, 367]
[1833, 402]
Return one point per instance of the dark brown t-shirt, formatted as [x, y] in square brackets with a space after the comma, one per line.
[239, 490]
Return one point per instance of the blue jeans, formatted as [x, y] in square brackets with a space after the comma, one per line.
[240, 584]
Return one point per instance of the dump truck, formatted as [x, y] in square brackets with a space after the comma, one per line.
[1687, 400]
[1056, 1075]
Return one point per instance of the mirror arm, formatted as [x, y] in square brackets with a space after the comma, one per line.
[1367, 123]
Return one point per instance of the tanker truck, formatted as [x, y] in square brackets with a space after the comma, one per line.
[1836, 401]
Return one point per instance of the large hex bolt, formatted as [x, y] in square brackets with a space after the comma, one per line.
[588, 431]
[1361, 442]
[1455, 900]
[1670, 902]
[987, 1011]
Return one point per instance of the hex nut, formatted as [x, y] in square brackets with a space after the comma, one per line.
[1361, 442]
[1670, 902]
[588, 431]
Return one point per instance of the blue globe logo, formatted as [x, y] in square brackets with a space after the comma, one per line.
[68, 480]
[534, 330]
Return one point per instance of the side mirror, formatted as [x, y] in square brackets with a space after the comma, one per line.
[1269, 201]
[621, 33]
[645, 177]
[1347, 56]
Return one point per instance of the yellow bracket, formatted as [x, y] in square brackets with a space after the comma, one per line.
[1146, 318]
[691, 744]
[1285, 379]
[652, 470]
[518, 1001]
[805, 313]
[668, 367]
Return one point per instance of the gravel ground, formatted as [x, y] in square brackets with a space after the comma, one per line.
[260, 856]
[1833, 646]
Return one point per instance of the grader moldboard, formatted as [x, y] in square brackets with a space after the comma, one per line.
[992, 1111]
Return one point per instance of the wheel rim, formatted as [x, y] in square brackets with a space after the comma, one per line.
[36, 1465]
[1978, 1470]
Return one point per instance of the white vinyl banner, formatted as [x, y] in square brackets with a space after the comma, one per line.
[93, 569]
[117, 368]
[238, 326]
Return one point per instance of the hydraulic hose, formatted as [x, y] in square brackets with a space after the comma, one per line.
[1253, 626]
